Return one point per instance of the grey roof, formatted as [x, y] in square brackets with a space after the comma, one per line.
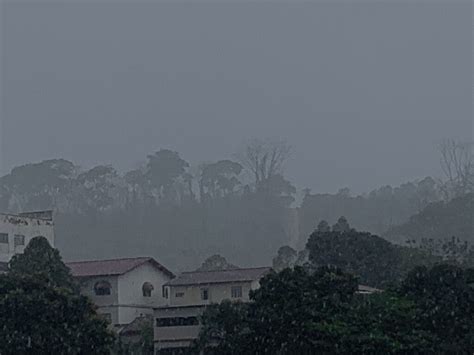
[222, 276]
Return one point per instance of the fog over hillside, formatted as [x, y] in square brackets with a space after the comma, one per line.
[236, 177]
[362, 92]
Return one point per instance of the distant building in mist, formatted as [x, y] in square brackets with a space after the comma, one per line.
[177, 324]
[16, 231]
[123, 289]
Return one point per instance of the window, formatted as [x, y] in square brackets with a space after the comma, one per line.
[179, 294]
[164, 291]
[19, 240]
[204, 294]
[4, 238]
[146, 289]
[102, 288]
[236, 291]
[176, 322]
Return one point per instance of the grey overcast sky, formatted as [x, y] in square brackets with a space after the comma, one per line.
[362, 90]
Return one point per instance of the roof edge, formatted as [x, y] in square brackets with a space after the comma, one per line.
[239, 269]
[146, 259]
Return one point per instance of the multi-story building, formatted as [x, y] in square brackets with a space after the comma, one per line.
[16, 231]
[123, 289]
[177, 323]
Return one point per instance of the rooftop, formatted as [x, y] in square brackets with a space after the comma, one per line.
[223, 276]
[112, 267]
[46, 215]
[363, 289]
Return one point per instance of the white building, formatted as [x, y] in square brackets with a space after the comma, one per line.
[123, 289]
[177, 324]
[16, 231]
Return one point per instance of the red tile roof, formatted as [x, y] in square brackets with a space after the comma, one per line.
[112, 267]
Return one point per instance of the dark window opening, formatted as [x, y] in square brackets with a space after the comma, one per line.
[4, 238]
[176, 322]
[19, 240]
[236, 291]
[147, 289]
[102, 288]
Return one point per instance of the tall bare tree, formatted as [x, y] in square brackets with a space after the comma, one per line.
[457, 164]
[265, 158]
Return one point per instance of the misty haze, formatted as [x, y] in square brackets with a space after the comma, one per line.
[236, 177]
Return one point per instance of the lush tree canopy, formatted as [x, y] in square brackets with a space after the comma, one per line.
[444, 298]
[215, 263]
[292, 311]
[41, 310]
[299, 311]
[41, 261]
[38, 318]
[376, 261]
[438, 221]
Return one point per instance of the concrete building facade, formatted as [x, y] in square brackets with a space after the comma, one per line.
[177, 324]
[16, 231]
[123, 289]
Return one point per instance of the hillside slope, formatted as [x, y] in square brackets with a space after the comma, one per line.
[437, 221]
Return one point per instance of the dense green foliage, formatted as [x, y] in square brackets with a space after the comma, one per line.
[136, 338]
[383, 323]
[444, 298]
[38, 318]
[41, 310]
[226, 329]
[427, 309]
[448, 250]
[376, 211]
[276, 321]
[279, 322]
[41, 261]
[376, 261]
[437, 221]
[216, 262]
[299, 311]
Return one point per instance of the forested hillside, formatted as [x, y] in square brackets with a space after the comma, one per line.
[374, 212]
[166, 209]
[242, 209]
[439, 220]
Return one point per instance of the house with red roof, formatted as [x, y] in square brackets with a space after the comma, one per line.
[123, 289]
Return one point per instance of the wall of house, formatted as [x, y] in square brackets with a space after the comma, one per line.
[217, 293]
[191, 305]
[28, 227]
[127, 314]
[130, 298]
[171, 336]
[130, 286]
[112, 311]
[87, 289]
